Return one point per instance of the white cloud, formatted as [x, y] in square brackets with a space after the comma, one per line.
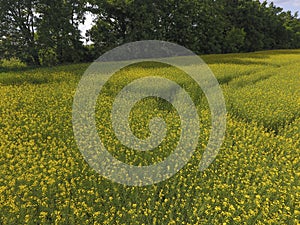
[292, 5]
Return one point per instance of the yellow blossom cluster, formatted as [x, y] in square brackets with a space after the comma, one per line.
[44, 179]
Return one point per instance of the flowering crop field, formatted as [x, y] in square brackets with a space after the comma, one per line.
[253, 180]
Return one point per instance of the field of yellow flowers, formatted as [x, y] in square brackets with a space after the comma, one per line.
[254, 179]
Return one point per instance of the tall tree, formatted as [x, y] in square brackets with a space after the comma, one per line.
[47, 32]
[291, 24]
[17, 30]
[58, 30]
[194, 24]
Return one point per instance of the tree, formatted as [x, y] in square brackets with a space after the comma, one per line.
[234, 40]
[57, 30]
[291, 23]
[17, 30]
[194, 24]
[47, 32]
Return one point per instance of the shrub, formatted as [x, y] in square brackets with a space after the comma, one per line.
[12, 63]
[48, 57]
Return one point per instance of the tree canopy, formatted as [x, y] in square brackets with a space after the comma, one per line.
[47, 32]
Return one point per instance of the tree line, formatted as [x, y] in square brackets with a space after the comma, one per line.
[43, 32]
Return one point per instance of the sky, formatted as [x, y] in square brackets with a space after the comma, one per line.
[88, 24]
[292, 5]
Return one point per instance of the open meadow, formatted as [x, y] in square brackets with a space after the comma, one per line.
[254, 179]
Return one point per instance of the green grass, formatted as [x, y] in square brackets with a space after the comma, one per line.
[254, 179]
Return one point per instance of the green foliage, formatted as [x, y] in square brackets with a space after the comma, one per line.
[58, 32]
[32, 29]
[234, 39]
[11, 64]
[203, 26]
[48, 57]
[17, 31]
[47, 32]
